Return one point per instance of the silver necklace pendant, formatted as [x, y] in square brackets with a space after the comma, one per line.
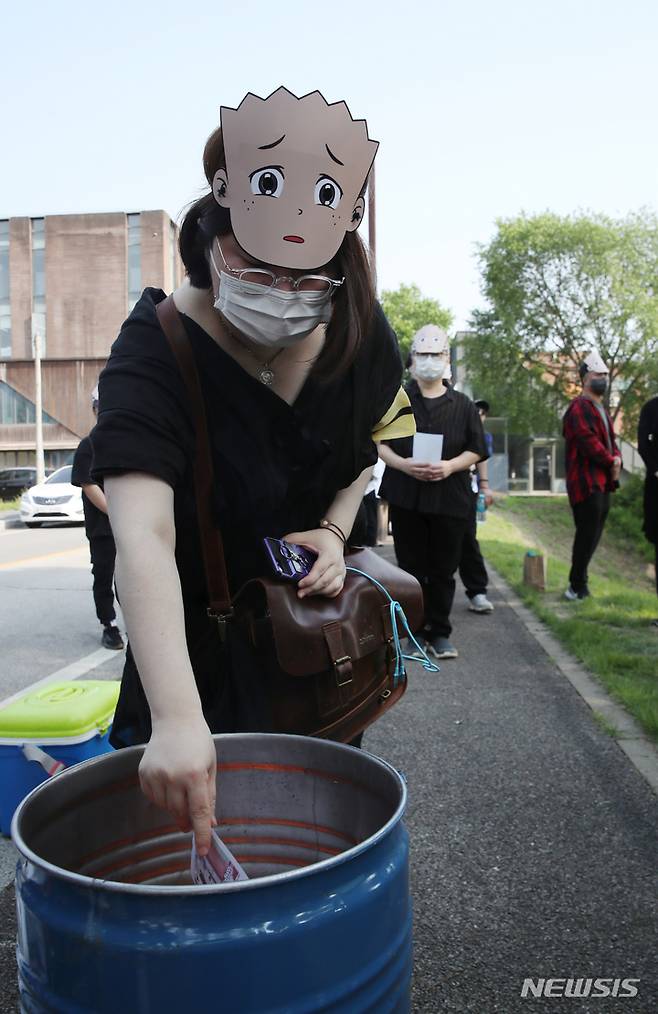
[266, 375]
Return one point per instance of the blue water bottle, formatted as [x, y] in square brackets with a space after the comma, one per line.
[481, 507]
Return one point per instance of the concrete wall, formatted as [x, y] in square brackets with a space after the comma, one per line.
[86, 269]
[86, 264]
[154, 239]
[18, 438]
[20, 287]
[66, 387]
[156, 232]
[86, 279]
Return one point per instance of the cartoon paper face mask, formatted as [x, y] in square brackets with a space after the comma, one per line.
[430, 339]
[295, 169]
[594, 363]
[430, 350]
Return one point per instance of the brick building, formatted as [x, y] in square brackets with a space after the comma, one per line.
[73, 280]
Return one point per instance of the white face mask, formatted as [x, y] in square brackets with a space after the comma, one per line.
[428, 367]
[269, 316]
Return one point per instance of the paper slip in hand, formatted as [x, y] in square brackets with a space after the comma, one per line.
[428, 448]
[219, 867]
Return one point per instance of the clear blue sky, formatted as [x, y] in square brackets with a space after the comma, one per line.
[483, 109]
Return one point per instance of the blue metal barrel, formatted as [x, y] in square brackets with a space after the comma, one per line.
[110, 923]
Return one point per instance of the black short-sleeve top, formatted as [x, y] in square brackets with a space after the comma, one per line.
[277, 467]
[456, 417]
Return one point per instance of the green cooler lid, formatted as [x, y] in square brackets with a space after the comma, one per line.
[60, 710]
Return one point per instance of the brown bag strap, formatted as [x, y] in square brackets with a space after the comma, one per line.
[212, 546]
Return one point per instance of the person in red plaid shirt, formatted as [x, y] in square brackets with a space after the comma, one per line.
[593, 468]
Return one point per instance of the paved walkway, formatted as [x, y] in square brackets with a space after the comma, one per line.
[534, 844]
[534, 839]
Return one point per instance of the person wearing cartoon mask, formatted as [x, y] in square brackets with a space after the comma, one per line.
[300, 373]
[430, 505]
[593, 466]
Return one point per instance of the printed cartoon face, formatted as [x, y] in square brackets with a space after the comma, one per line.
[431, 340]
[295, 168]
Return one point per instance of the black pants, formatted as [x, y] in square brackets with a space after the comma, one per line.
[103, 553]
[429, 546]
[589, 517]
[472, 570]
[370, 502]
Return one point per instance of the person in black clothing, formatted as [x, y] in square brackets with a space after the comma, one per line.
[101, 541]
[431, 504]
[300, 373]
[370, 509]
[472, 569]
[647, 444]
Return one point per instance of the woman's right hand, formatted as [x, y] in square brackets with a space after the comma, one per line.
[178, 773]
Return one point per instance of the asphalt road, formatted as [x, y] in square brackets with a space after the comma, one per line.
[534, 845]
[47, 615]
[48, 626]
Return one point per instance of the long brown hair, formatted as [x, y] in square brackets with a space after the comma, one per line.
[353, 304]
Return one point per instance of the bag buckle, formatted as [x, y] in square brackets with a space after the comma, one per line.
[222, 621]
[344, 660]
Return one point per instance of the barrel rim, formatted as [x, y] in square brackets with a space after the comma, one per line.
[272, 880]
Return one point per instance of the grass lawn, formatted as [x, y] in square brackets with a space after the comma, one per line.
[10, 505]
[610, 632]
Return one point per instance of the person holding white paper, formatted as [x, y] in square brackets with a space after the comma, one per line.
[428, 447]
[427, 483]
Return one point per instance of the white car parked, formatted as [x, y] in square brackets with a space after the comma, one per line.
[53, 500]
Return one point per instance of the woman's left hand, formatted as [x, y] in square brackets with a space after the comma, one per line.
[327, 576]
[440, 471]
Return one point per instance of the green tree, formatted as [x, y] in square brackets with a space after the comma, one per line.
[408, 310]
[557, 287]
[513, 388]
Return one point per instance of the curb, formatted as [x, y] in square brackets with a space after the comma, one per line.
[629, 735]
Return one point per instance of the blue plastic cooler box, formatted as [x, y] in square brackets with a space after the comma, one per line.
[60, 725]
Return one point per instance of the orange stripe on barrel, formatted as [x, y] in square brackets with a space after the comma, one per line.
[120, 843]
[140, 858]
[281, 822]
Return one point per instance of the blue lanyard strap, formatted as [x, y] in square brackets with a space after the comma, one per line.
[397, 615]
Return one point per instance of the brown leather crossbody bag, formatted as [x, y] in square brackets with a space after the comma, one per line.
[330, 666]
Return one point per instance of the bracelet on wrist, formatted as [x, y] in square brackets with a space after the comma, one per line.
[333, 532]
[331, 526]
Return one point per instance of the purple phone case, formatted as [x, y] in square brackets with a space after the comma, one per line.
[288, 560]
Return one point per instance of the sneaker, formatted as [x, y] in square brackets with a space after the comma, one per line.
[480, 604]
[112, 638]
[571, 595]
[441, 647]
[410, 649]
